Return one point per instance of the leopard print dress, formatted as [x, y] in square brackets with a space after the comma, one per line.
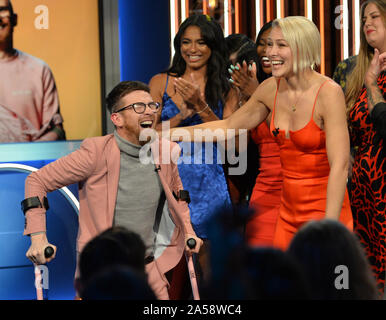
[368, 186]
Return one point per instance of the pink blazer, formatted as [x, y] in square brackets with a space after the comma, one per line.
[95, 166]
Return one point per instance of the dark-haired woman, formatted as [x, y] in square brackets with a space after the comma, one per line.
[194, 90]
[363, 78]
[241, 48]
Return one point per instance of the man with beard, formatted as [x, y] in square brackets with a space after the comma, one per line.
[124, 180]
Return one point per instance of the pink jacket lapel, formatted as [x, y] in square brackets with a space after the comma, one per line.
[113, 166]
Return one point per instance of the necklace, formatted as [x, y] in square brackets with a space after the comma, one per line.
[293, 107]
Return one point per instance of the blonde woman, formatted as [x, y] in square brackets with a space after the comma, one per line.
[309, 123]
[365, 88]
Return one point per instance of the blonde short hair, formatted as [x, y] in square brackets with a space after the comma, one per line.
[303, 38]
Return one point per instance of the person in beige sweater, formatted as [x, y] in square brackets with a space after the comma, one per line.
[28, 94]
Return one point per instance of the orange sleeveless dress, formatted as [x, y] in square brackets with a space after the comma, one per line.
[305, 170]
[266, 194]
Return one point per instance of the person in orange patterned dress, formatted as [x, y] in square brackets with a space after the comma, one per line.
[365, 91]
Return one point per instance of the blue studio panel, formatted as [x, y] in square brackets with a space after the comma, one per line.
[144, 38]
[16, 271]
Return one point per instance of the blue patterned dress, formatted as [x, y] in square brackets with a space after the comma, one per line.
[202, 176]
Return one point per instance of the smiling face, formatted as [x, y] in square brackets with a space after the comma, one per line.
[262, 52]
[279, 53]
[194, 50]
[374, 27]
[130, 124]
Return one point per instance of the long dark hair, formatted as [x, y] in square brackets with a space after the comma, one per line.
[248, 53]
[217, 86]
[261, 75]
[236, 42]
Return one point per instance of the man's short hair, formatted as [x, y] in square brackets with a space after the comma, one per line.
[123, 89]
[303, 38]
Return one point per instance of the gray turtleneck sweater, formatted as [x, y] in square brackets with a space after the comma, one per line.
[139, 192]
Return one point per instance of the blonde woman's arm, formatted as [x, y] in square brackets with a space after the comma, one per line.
[337, 145]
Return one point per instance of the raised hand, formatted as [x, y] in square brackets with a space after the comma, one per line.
[189, 90]
[377, 65]
[244, 77]
[374, 94]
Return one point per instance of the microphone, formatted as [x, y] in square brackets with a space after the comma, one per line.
[275, 132]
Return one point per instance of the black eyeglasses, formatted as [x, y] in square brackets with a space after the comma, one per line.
[140, 107]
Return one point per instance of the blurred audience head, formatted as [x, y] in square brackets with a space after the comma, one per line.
[118, 283]
[115, 246]
[275, 275]
[334, 262]
[240, 272]
[226, 254]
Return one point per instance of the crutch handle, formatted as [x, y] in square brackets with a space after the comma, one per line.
[191, 243]
[48, 252]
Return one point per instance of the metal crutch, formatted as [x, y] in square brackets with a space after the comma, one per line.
[48, 252]
[191, 243]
